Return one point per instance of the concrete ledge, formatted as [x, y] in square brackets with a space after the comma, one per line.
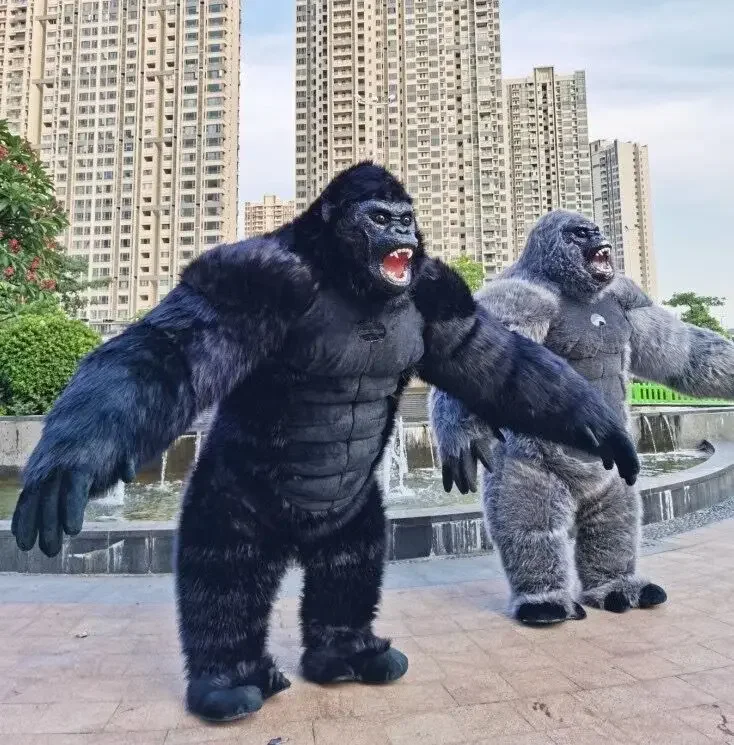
[146, 547]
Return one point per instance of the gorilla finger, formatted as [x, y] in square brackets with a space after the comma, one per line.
[498, 434]
[14, 519]
[25, 519]
[460, 478]
[76, 488]
[468, 467]
[625, 455]
[50, 536]
[483, 452]
[127, 473]
[448, 477]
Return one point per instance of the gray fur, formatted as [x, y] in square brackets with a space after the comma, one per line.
[689, 359]
[664, 349]
[521, 306]
[540, 493]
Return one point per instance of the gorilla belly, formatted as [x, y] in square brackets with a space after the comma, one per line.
[333, 436]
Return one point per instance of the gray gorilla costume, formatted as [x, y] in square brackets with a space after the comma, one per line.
[563, 293]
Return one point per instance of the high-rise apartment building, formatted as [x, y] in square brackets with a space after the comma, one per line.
[135, 108]
[414, 85]
[620, 175]
[18, 66]
[271, 213]
[547, 148]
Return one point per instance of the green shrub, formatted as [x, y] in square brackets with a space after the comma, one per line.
[38, 356]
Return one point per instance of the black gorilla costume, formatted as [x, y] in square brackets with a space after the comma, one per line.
[306, 339]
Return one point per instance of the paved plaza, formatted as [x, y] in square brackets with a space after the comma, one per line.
[94, 661]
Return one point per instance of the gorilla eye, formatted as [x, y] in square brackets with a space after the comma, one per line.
[380, 218]
[582, 232]
[406, 219]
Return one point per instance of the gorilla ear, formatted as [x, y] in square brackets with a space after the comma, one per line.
[327, 210]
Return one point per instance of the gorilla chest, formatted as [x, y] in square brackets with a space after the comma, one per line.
[338, 374]
[593, 337]
[338, 344]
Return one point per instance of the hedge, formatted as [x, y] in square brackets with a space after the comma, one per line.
[38, 356]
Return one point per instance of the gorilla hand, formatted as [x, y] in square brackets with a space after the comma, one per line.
[596, 430]
[461, 469]
[507, 380]
[55, 494]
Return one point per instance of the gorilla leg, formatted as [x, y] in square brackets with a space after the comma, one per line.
[228, 572]
[529, 511]
[343, 578]
[607, 543]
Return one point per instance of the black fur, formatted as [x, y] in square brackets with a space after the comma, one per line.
[306, 352]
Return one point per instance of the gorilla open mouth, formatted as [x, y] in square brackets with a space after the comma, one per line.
[395, 267]
[599, 264]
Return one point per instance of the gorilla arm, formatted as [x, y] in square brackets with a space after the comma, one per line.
[691, 360]
[131, 397]
[523, 307]
[508, 380]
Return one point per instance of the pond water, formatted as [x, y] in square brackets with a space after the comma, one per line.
[155, 493]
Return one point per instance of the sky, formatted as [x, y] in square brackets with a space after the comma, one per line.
[660, 72]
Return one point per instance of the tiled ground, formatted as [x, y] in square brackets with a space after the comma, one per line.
[94, 661]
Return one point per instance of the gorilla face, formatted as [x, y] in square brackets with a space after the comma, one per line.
[595, 250]
[389, 231]
[569, 250]
[361, 234]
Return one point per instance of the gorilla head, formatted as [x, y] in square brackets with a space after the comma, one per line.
[362, 233]
[569, 250]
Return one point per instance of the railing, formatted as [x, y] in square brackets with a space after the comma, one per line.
[652, 394]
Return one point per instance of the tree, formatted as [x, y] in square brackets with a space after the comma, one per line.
[33, 269]
[698, 313]
[472, 272]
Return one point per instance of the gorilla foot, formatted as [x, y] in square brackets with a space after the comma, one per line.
[214, 704]
[652, 595]
[319, 666]
[616, 602]
[619, 595]
[547, 612]
[234, 695]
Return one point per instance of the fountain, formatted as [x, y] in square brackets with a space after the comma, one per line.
[679, 476]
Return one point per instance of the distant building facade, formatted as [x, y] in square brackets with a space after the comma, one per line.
[134, 108]
[621, 186]
[262, 217]
[547, 140]
[416, 86]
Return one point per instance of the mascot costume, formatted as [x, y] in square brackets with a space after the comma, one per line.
[563, 293]
[305, 338]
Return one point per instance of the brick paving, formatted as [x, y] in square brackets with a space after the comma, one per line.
[94, 661]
